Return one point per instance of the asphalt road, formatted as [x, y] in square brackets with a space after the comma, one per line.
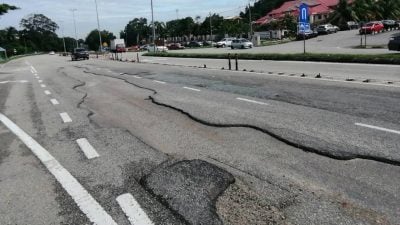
[109, 142]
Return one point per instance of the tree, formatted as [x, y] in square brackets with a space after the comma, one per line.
[92, 40]
[4, 8]
[135, 31]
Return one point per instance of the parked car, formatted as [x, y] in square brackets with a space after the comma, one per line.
[175, 46]
[241, 43]
[308, 35]
[79, 53]
[226, 42]
[155, 48]
[371, 28]
[389, 24]
[351, 25]
[194, 44]
[327, 29]
[209, 43]
[394, 42]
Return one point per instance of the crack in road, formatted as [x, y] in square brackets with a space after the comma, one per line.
[303, 147]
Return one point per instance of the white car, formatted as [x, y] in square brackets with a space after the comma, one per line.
[241, 43]
[226, 42]
[155, 48]
[52, 53]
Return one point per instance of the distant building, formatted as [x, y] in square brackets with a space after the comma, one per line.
[319, 10]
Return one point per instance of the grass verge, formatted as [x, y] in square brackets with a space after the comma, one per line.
[317, 57]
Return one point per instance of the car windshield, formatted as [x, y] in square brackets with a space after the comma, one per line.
[79, 50]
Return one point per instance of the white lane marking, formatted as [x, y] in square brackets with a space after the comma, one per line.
[47, 92]
[161, 82]
[65, 117]
[193, 89]
[33, 69]
[87, 148]
[137, 77]
[83, 199]
[252, 101]
[13, 81]
[133, 211]
[37, 77]
[377, 128]
[54, 101]
[42, 85]
[40, 81]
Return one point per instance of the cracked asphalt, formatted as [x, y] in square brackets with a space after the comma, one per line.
[197, 146]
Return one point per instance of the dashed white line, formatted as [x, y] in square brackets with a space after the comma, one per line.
[87, 148]
[42, 85]
[13, 81]
[47, 92]
[137, 77]
[37, 77]
[65, 117]
[132, 210]
[40, 81]
[378, 128]
[87, 204]
[193, 89]
[161, 82]
[54, 101]
[252, 101]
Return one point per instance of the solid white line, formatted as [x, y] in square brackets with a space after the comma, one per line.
[252, 101]
[132, 210]
[65, 117]
[193, 89]
[82, 198]
[87, 148]
[47, 92]
[54, 101]
[13, 81]
[42, 85]
[377, 128]
[161, 82]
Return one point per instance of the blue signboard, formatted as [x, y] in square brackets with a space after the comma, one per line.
[304, 27]
[303, 13]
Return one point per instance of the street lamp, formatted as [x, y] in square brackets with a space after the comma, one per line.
[73, 16]
[211, 28]
[98, 25]
[62, 32]
[152, 24]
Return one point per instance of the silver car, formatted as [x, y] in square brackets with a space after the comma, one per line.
[241, 43]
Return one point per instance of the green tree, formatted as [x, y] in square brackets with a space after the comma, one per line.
[92, 39]
[4, 8]
[136, 31]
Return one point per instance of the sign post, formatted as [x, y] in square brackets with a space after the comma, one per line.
[304, 23]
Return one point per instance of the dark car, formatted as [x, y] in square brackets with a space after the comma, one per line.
[194, 44]
[389, 24]
[79, 53]
[307, 35]
[175, 46]
[394, 43]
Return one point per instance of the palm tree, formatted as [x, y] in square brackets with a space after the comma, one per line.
[343, 13]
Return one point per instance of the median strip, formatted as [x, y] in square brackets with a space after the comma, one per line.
[86, 203]
[87, 148]
[378, 128]
[252, 101]
[132, 210]
[65, 117]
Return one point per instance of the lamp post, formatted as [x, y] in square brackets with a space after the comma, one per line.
[211, 28]
[62, 32]
[98, 25]
[152, 24]
[73, 16]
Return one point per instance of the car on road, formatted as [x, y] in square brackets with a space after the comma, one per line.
[79, 53]
[155, 48]
[372, 28]
[226, 42]
[394, 42]
[241, 43]
[327, 29]
[52, 53]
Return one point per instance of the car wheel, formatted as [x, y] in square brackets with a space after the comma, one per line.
[250, 46]
[232, 47]
[223, 46]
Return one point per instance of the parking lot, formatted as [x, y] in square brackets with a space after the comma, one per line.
[341, 42]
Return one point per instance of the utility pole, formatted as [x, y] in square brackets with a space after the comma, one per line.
[62, 32]
[211, 27]
[251, 24]
[98, 26]
[76, 36]
[177, 14]
[152, 24]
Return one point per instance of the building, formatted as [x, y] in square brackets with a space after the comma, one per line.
[319, 10]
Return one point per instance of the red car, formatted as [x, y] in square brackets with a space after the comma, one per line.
[175, 46]
[372, 28]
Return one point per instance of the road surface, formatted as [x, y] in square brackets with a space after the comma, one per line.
[108, 142]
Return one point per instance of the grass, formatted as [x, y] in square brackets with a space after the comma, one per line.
[2, 60]
[318, 57]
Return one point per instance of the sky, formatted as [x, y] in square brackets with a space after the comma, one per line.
[114, 15]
